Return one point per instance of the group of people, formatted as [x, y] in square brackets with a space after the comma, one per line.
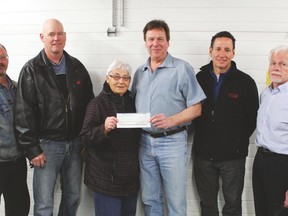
[52, 118]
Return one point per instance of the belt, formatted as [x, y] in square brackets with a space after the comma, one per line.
[165, 133]
[266, 152]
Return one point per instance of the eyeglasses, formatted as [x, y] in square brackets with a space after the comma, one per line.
[118, 77]
[4, 57]
[51, 35]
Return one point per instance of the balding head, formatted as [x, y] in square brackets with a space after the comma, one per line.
[54, 39]
[50, 24]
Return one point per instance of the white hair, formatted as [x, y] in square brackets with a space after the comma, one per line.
[280, 48]
[118, 64]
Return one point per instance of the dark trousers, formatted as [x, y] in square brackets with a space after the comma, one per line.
[115, 206]
[270, 182]
[13, 186]
[207, 175]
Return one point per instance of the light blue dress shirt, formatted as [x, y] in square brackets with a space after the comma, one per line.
[272, 120]
[170, 89]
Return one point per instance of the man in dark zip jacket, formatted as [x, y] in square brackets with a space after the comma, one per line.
[222, 131]
[54, 89]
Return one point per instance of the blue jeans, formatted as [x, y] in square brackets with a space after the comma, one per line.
[163, 163]
[115, 206]
[63, 157]
[207, 175]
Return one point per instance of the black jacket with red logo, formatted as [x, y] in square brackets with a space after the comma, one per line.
[41, 109]
[222, 131]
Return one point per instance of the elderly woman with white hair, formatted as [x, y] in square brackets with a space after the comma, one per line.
[112, 167]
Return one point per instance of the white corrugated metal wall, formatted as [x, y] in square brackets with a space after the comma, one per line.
[258, 26]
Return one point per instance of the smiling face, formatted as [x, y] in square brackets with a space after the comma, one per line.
[222, 54]
[156, 44]
[53, 37]
[278, 68]
[119, 81]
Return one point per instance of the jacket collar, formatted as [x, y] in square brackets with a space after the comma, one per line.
[45, 61]
[209, 67]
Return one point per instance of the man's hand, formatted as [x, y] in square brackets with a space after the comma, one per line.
[161, 121]
[38, 161]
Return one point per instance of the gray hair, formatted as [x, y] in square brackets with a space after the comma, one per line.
[280, 48]
[3, 47]
[118, 64]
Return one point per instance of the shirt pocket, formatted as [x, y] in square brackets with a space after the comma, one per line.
[5, 114]
[4, 108]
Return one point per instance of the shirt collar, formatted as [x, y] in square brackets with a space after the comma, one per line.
[282, 88]
[61, 59]
[168, 62]
[221, 75]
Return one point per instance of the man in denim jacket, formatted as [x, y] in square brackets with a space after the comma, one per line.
[13, 166]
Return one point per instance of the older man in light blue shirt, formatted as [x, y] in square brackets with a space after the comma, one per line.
[270, 175]
[167, 88]
[272, 122]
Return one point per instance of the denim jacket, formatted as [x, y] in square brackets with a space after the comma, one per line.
[8, 144]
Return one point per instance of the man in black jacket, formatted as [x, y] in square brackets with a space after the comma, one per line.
[222, 131]
[54, 89]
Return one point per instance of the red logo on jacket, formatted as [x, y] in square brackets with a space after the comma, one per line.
[233, 96]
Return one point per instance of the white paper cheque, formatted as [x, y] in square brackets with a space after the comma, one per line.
[133, 120]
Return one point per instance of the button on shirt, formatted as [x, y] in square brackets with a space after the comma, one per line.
[272, 120]
[171, 88]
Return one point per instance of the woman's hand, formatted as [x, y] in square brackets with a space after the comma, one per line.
[110, 124]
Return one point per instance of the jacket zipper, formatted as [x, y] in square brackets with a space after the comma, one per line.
[67, 117]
